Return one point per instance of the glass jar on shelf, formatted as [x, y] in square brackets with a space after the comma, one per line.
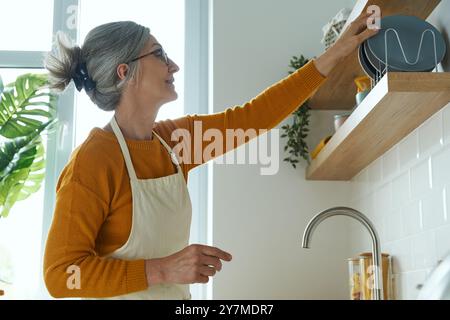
[367, 277]
[354, 271]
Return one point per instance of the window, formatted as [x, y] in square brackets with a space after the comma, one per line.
[20, 240]
[27, 29]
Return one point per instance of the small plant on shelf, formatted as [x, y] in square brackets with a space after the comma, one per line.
[297, 132]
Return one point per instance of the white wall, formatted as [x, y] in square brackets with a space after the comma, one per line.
[260, 219]
[406, 192]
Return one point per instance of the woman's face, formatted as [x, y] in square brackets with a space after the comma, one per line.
[155, 77]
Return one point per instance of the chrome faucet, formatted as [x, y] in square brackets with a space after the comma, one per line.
[377, 290]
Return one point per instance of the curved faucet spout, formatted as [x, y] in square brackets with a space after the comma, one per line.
[352, 213]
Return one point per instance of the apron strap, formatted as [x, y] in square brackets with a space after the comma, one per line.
[172, 154]
[123, 146]
[126, 153]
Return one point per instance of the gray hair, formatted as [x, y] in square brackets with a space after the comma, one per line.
[104, 48]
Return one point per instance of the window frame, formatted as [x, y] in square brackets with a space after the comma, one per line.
[196, 98]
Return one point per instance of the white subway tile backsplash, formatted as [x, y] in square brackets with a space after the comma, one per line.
[412, 218]
[377, 219]
[383, 200]
[390, 163]
[408, 150]
[402, 258]
[356, 187]
[358, 205]
[420, 179]
[424, 250]
[366, 187]
[433, 210]
[442, 242]
[405, 254]
[440, 165]
[446, 123]
[394, 228]
[401, 190]
[406, 195]
[380, 225]
[372, 208]
[430, 134]
[361, 241]
[375, 173]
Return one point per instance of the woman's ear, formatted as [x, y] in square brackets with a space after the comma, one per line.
[122, 70]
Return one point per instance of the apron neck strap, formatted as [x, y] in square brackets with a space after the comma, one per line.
[123, 146]
[126, 153]
[169, 150]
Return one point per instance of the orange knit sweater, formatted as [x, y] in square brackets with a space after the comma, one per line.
[92, 215]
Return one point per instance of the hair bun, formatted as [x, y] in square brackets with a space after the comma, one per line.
[62, 62]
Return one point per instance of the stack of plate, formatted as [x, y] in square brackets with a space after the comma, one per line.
[410, 48]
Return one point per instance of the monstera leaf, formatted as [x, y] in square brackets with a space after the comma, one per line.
[26, 106]
[23, 175]
[1, 89]
[27, 109]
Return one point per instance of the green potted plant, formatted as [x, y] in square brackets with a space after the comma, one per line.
[27, 110]
[297, 132]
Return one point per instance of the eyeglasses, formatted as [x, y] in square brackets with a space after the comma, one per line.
[159, 53]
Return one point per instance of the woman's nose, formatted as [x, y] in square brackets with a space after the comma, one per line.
[173, 67]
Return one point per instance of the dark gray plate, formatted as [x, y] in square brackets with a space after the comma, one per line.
[409, 29]
[374, 62]
[380, 66]
[365, 64]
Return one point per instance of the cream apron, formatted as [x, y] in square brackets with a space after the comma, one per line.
[161, 213]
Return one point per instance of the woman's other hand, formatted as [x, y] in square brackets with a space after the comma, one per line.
[194, 264]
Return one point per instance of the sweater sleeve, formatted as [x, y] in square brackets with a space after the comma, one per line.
[71, 266]
[262, 113]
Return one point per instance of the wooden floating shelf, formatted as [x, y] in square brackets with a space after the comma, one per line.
[397, 105]
[338, 92]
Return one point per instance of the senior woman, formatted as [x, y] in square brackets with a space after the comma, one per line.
[122, 215]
